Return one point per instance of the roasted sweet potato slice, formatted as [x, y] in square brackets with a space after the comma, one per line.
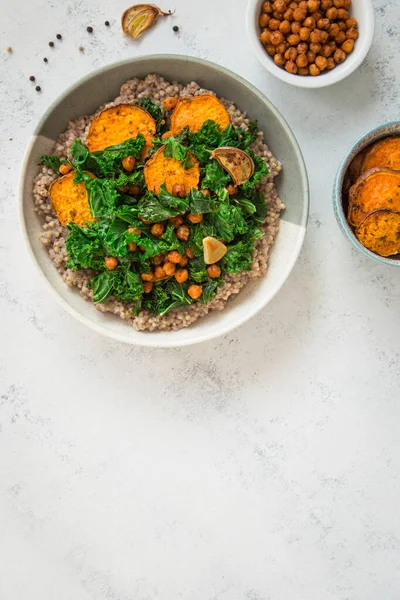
[380, 232]
[194, 111]
[385, 153]
[118, 123]
[375, 189]
[70, 200]
[160, 169]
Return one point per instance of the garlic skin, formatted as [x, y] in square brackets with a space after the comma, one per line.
[238, 163]
[139, 18]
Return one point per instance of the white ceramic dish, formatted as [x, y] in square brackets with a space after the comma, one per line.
[84, 97]
[362, 10]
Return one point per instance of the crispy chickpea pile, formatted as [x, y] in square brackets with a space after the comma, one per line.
[308, 37]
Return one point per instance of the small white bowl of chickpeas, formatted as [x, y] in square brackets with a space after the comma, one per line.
[310, 43]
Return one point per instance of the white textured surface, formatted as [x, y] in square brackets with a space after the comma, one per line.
[262, 466]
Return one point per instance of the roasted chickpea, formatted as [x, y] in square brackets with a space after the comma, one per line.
[340, 38]
[277, 16]
[195, 291]
[324, 37]
[334, 30]
[348, 46]
[304, 34]
[281, 48]
[302, 48]
[276, 38]
[314, 71]
[265, 37]
[303, 4]
[147, 287]
[342, 25]
[184, 261]
[288, 15]
[338, 3]
[129, 163]
[271, 50]
[176, 221]
[299, 14]
[316, 48]
[332, 14]
[347, 4]
[195, 218]
[214, 271]
[178, 189]
[263, 21]
[351, 22]
[301, 61]
[174, 257]
[323, 24]
[273, 25]
[343, 14]
[311, 56]
[293, 40]
[330, 64]
[325, 4]
[284, 27]
[189, 252]
[291, 54]
[231, 189]
[293, 5]
[65, 168]
[134, 190]
[326, 51]
[339, 56]
[171, 102]
[147, 276]
[205, 192]
[279, 60]
[352, 34]
[157, 229]
[291, 67]
[111, 262]
[182, 233]
[182, 275]
[169, 268]
[321, 62]
[279, 6]
[310, 23]
[313, 5]
[295, 27]
[267, 7]
[316, 37]
[159, 272]
[132, 246]
[303, 71]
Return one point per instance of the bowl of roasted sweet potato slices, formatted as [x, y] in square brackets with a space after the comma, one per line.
[367, 194]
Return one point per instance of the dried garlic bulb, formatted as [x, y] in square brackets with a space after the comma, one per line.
[140, 17]
[238, 163]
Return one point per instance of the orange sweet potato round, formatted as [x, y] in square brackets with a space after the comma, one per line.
[374, 189]
[385, 153]
[118, 123]
[380, 232]
[194, 111]
[161, 169]
[70, 200]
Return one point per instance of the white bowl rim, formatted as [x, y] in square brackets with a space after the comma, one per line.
[326, 80]
[148, 339]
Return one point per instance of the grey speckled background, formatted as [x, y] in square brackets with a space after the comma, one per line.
[263, 466]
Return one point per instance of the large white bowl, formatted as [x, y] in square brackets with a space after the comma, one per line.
[101, 86]
[362, 10]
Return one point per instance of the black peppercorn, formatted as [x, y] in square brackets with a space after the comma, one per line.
[59, 36]
[45, 59]
[32, 78]
[38, 88]
[51, 44]
[107, 23]
[175, 28]
[89, 29]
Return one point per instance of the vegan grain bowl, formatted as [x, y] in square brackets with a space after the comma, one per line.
[161, 205]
